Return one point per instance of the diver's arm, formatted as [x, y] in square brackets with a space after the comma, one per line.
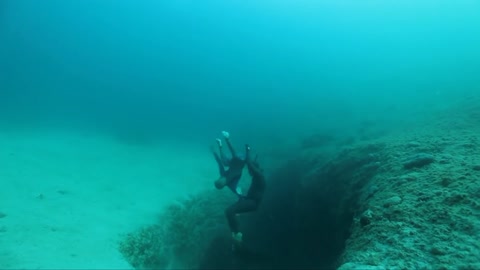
[223, 157]
[247, 153]
[248, 160]
[226, 135]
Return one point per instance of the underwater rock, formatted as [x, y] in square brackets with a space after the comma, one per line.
[2, 215]
[446, 159]
[446, 181]
[366, 218]
[438, 250]
[422, 218]
[370, 191]
[392, 201]
[418, 161]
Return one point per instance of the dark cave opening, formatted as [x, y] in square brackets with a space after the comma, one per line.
[296, 227]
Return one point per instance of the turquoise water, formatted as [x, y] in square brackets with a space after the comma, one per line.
[165, 77]
[164, 67]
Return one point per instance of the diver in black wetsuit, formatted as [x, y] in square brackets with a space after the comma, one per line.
[235, 165]
[249, 202]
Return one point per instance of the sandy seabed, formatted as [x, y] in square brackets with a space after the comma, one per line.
[67, 198]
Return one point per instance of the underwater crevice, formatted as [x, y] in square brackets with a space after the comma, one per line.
[306, 216]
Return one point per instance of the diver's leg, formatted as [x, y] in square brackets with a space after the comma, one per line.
[242, 206]
[246, 205]
[221, 168]
[231, 213]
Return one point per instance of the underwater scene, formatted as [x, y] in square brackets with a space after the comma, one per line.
[226, 134]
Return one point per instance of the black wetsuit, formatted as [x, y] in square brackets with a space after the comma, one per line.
[252, 200]
[235, 167]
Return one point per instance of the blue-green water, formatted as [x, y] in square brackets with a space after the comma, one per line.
[265, 67]
[272, 73]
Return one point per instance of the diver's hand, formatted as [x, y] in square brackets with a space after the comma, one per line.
[219, 142]
[225, 134]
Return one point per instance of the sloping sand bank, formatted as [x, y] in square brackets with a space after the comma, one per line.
[66, 197]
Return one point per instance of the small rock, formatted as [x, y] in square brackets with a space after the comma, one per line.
[2, 215]
[366, 218]
[457, 198]
[446, 159]
[392, 201]
[446, 181]
[476, 167]
[437, 251]
[418, 161]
